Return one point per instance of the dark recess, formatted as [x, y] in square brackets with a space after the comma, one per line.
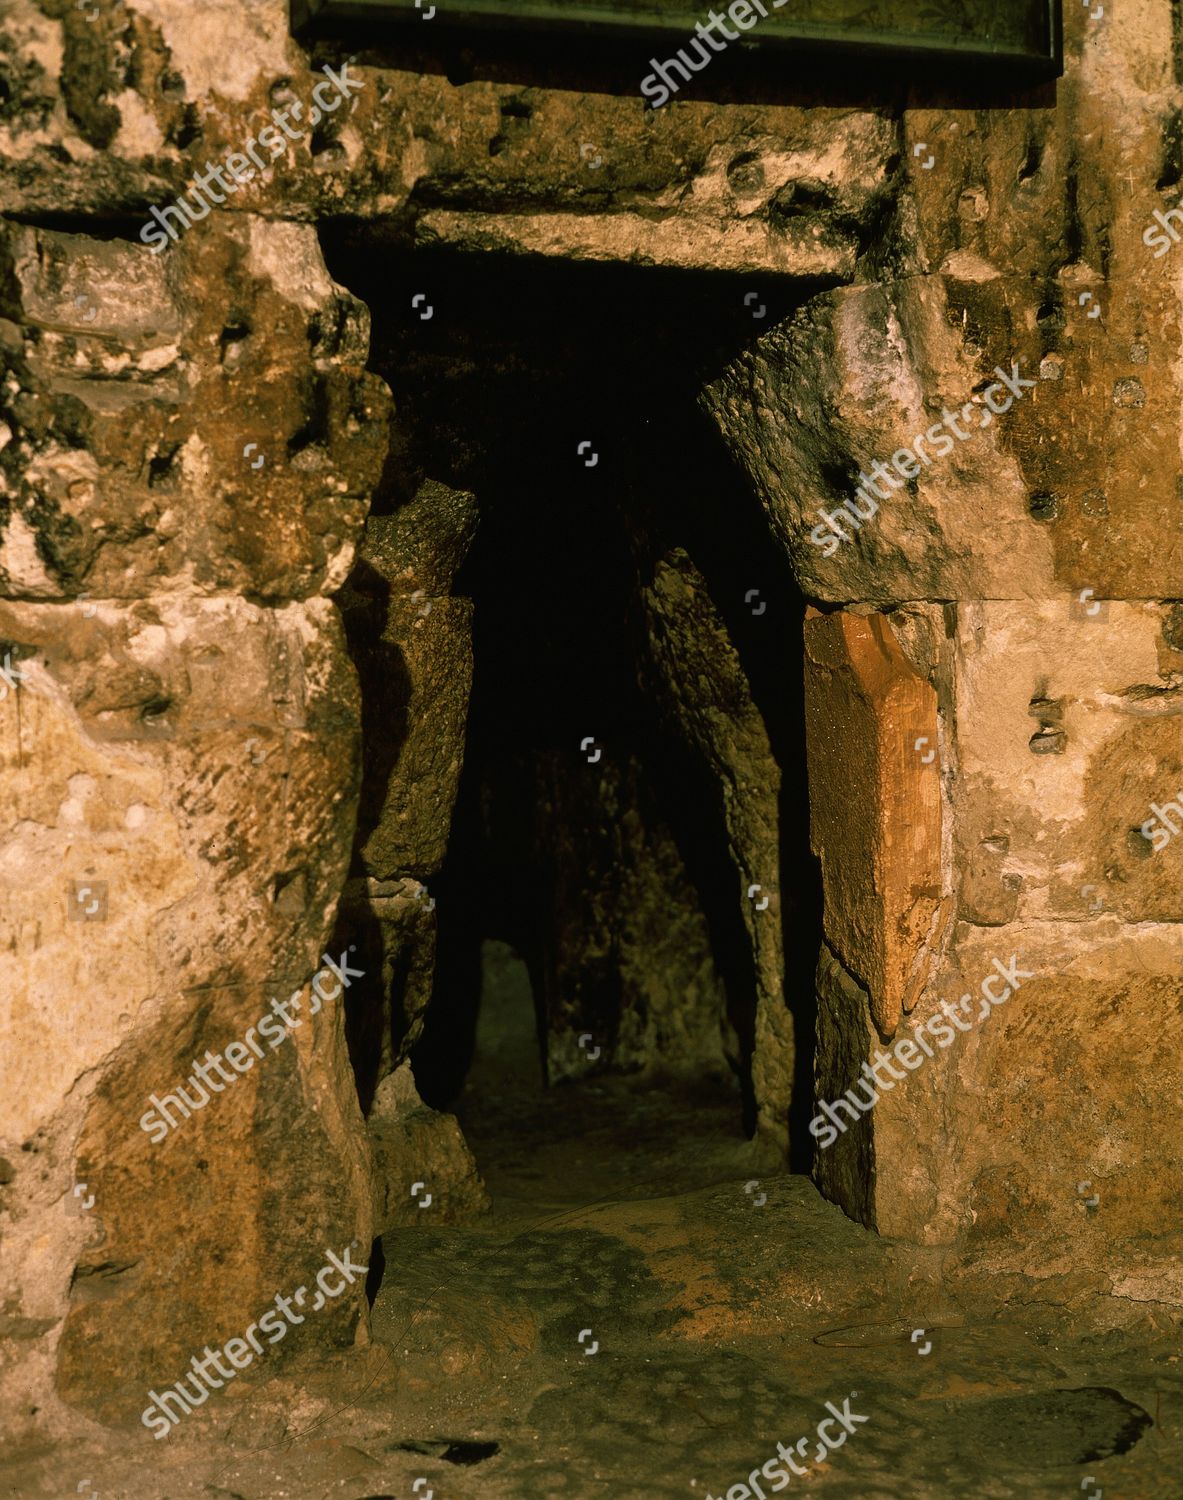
[520, 362]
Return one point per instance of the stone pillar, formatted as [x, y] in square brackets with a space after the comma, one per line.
[189, 445]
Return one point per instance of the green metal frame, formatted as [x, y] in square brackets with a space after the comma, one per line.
[932, 32]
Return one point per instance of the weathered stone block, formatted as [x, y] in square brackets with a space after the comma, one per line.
[282, 1144]
[1073, 1079]
[420, 546]
[182, 771]
[414, 658]
[200, 422]
[874, 788]
[696, 674]
[845, 1171]
[1061, 835]
[878, 395]
[197, 758]
[394, 928]
[424, 1173]
[791, 188]
[1011, 191]
[181, 776]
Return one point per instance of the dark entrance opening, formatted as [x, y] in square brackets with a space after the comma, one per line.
[633, 789]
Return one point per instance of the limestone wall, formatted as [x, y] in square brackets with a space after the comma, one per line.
[1019, 578]
[189, 447]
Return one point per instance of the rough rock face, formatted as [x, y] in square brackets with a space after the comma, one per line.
[625, 957]
[862, 373]
[200, 425]
[697, 671]
[412, 646]
[181, 770]
[424, 1173]
[394, 925]
[788, 189]
[876, 801]
[1028, 570]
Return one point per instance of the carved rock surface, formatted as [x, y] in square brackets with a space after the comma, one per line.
[884, 388]
[875, 803]
[394, 926]
[785, 188]
[424, 1173]
[625, 957]
[412, 645]
[181, 768]
[697, 671]
[198, 424]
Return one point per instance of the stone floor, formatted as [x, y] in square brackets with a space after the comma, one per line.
[646, 1312]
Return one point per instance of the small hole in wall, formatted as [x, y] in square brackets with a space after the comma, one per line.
[515, 115]
[188, 131]
[1031, 161]
[235, 333]
[1048, 711]
[155, 709]
[745, 172]
[799, 198]
[327, 150]
[288, 893]
[1043, 505]
[1051, 315]
[1138, 844]
[160, 466]
[172, 85]
[1048, 741]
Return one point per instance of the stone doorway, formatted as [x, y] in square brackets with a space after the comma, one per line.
[612, 824]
